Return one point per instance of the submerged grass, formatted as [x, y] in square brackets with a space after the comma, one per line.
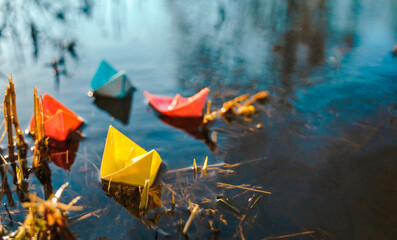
[175, 196]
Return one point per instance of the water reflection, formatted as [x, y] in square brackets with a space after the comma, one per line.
[316, 59]
[5, 186]
[25, 26]
[129, 197]
[193, 127]
[119, 108]
[190, 125]
[64, 153]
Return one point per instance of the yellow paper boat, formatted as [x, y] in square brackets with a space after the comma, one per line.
[124, 161]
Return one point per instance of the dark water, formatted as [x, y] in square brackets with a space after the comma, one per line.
[327, 149]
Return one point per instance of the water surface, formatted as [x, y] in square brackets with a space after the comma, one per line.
[327, 147]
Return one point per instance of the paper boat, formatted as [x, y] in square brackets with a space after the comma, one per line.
[124, 161]
[179, 106]
[58, 119]
[108, 82]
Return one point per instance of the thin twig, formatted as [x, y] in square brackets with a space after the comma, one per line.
[94, 213]
[225, 185]
[290, 235]
[191, 217]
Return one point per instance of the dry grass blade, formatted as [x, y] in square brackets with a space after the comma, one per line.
[144, 196]
[74, 201]
[290, 235]
[241, 232]
[239, 228]
[20, 139]
[94, 166]
[94, 213]
[67, 207]
[191, 217]
[214, 166]
[194, 165]
[209, 167]
[228, 186]
[209, 103]
[205, 164]
[58, 194]
[3, 134]
[173, 201]
[8, 124]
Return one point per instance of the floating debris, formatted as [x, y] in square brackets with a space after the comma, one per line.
[228, 204]
[108, 82]
[191, 217]
[228, 186]
[241, 105]
[46, 219]
[124, 161]
[289, 235]
[179, 106]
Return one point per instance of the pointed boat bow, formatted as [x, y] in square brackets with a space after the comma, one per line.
[134, 169]
[179, 106]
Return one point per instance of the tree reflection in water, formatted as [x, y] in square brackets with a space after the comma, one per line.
[25, 25]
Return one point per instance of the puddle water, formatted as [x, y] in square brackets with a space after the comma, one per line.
[324, 144]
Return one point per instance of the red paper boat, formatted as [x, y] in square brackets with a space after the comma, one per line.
[179, 106]
[58, 119]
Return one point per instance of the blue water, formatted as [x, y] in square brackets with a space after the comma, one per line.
[328, 143]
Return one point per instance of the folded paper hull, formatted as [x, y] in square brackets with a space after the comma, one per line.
[179, 106]
[110, 83]
[102, 76]
[59, 120]
[124, 161]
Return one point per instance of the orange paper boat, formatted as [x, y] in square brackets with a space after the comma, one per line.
[179, 106]
[58, 119]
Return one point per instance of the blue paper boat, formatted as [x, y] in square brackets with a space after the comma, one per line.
[108, 82]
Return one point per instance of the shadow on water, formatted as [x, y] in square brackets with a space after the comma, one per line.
[193, 127]
[118, 108]
[190, 125]
[63, 154]
[129, 197]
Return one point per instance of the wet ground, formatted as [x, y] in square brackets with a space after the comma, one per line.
[327, 146]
